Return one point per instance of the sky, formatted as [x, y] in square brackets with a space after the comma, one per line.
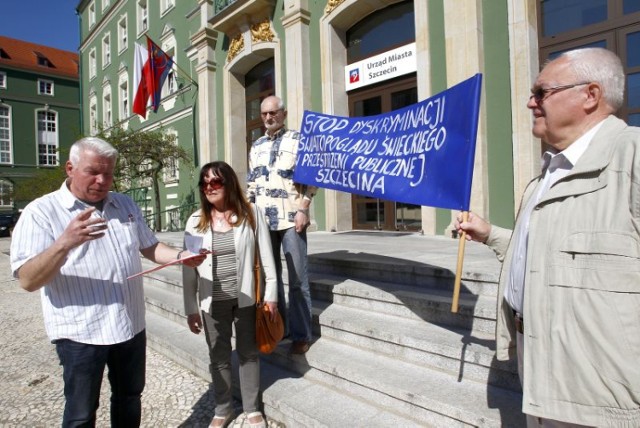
[46, 22]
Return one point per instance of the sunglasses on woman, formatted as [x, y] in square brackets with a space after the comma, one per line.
[216, 183]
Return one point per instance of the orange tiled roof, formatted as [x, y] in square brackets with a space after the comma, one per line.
[24, 55]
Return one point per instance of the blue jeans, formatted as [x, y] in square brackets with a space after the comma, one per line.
[83, 367]
[297, 319]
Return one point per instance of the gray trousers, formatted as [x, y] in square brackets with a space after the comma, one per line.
[218, 330]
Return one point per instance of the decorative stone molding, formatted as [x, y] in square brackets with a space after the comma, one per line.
[261, 32]
[331, 5]
[235, 47]
[237, 16]
[167, 31]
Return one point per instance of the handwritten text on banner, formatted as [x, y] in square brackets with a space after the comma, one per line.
[421, 154]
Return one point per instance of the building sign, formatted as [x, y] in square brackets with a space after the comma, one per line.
[378, 68]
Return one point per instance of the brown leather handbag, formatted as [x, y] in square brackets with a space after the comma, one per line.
[268, 332]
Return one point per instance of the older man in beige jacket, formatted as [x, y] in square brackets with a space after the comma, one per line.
[569, 293]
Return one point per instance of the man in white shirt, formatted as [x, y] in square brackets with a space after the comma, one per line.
[78, 245]
[570, 283]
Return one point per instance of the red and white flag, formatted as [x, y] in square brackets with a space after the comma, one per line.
[140, 91]
[151, 67]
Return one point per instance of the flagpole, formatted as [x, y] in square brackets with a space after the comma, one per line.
[187, 75]
[456, 284]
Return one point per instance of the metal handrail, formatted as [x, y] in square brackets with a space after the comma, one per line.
[172, 226]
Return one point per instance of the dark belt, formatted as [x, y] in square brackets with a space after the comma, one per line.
[519, 322]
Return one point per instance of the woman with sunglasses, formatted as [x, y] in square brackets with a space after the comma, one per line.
[221, 291]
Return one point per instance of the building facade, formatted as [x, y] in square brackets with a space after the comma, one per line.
[39, 113]
[244, 50]
[109, 30]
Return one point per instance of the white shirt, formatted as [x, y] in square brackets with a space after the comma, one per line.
[554, 166]
[90, 300]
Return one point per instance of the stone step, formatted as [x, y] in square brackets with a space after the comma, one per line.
[463, 355]
[336, 384]
[390, 352]
[165, 302]
[375, 328]
[392, 319]
[418, 392]
[169, 278]
[168, 302]
[277, 383]
[475, 313]
[298, 402]
[175, 341]
[365, 266]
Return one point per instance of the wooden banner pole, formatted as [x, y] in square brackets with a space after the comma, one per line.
[456, 285]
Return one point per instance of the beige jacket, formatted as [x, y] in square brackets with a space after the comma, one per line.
[197, 283]
[582, 288]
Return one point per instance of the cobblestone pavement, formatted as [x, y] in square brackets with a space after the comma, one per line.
[31, 379]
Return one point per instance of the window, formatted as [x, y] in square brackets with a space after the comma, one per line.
[107, 118]
[144, 169]
[122, 34]
[631, 6]
[373, 213]
[259, 84]
[4, 54]
[381, 31]
[3, 80]
[105, 4]
[43, 61]
[610, 24]
[5, 134]
[170, 84]
[561, 16]
[93, 115]
[123, 97]
[165, 5]
[143, 16]
[173, 219]
[6, 192]
[45, 87]
[172, 170]
[47, 138]
[92, 15]
[106, 50]
[92, 63]
[631, 63]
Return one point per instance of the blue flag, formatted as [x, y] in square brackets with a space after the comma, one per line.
[422, 154]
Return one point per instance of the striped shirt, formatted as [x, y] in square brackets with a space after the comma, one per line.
[90, 300]
[225, 277]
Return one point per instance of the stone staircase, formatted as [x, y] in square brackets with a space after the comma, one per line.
[388, 351]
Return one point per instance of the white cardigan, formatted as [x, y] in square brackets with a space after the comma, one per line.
[198, 281]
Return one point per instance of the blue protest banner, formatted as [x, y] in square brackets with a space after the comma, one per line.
[422, 154]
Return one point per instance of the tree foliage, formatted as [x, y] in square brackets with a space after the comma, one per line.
[142, 158]
[45, 180]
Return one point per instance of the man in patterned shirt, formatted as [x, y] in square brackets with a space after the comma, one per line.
[79, 245]
[285, 204]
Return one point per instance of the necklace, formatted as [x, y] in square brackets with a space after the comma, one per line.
[220, 218]
[220, 221]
